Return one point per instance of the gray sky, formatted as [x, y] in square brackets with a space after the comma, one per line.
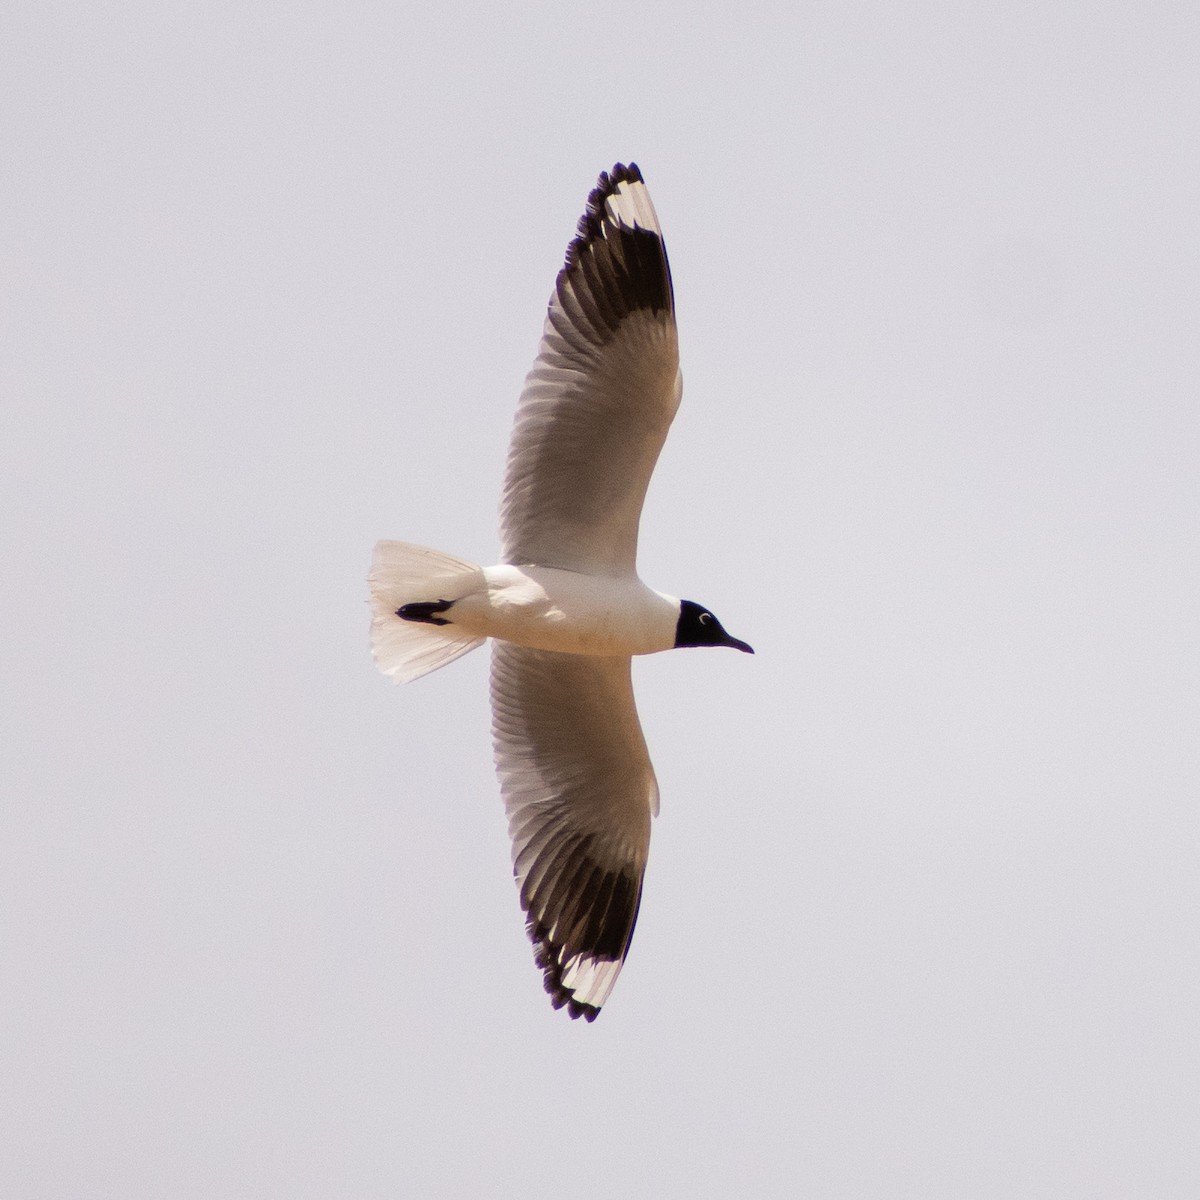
[921, 916]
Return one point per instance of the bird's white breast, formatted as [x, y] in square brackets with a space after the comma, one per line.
[549, 609]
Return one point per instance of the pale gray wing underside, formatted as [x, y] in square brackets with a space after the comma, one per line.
[600, 397]
[579, 790]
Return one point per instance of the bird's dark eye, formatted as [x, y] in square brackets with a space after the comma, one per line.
[705, 618]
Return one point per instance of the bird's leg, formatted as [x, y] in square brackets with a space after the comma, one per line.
[424, 610]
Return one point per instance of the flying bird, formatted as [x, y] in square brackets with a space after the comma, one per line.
[565, 608]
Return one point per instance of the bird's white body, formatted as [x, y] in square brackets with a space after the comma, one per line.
[572, 613]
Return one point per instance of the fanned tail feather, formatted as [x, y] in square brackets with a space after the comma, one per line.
[403, 574]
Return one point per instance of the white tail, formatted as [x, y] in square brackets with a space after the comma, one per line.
[404, 574]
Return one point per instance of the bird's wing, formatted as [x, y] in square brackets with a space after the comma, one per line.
[579, 790]
[598, 402]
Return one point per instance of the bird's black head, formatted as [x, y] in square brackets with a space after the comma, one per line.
[698, 627]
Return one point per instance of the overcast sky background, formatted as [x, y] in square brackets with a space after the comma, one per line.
[922, 914]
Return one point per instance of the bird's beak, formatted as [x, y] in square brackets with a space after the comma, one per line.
[739, 645]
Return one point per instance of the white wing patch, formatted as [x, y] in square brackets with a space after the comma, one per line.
[631, 205]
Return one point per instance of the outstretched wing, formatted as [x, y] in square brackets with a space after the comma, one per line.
[580, 791]
[598, 402]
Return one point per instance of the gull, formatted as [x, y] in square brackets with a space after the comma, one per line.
[565, 608]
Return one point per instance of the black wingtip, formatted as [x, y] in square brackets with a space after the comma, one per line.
[546, 958]
[606, 184]
[629, 268]
[587, 1011]
[590, 224]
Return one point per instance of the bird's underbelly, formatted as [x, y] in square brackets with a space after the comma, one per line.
[549, 609]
